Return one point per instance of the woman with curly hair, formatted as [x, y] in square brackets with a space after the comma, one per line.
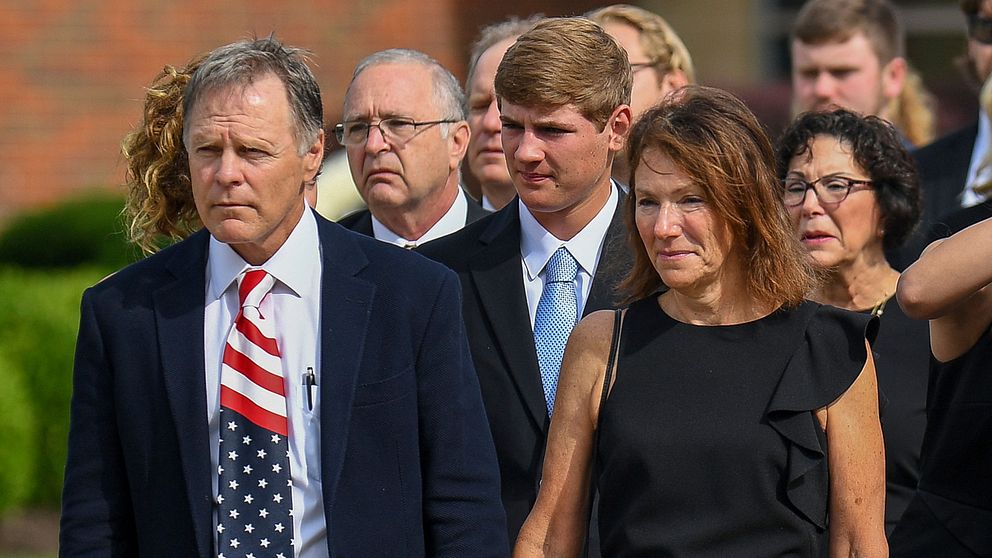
[159, 199]
[852, 192]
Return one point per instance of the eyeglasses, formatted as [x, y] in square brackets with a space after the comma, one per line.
[392, 129]
[829, 189]
[638, 66]
[980, 28]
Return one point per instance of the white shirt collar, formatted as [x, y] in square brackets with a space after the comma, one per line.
[294, 265]
[537, 245]
[452, 220]
[983, 141]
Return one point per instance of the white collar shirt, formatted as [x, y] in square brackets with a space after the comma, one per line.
[537, 245]
[294, 302]
[452, 220]
[976, 175]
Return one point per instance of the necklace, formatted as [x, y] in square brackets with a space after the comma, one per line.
[879, 308]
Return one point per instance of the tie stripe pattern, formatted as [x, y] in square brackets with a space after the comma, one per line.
[251, 378]
[557, 312]
[254, 503]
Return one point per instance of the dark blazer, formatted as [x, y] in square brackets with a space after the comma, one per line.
[486, 257]
[943, 171]
[956, 221]
[361, 221]
[408, 465]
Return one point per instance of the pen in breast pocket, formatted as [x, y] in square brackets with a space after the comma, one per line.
[309, 382]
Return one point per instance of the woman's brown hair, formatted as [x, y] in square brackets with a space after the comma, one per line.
[718, 143]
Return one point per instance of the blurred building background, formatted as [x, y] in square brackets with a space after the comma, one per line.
[72, 72]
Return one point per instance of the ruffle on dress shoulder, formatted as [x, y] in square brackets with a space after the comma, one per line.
[827, 361]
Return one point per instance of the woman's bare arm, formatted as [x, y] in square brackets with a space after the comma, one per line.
[857, 470]
[949, 286]
[557, 524]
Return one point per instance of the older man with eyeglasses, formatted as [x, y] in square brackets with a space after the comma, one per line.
[405, 133]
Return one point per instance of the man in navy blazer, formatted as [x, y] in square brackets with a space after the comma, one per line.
[388, 442]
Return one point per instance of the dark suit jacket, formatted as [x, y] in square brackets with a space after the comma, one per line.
[943, 170]
[486, 256]
[956, 221]
[408, 465]
[361, 221]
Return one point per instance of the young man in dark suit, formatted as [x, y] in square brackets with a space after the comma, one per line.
[274, 385]
[564, 91]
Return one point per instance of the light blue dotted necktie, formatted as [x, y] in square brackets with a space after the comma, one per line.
[557, 312]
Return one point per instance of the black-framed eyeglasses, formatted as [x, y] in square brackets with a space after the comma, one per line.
[980, 28]
[828, 189]
[392, 129]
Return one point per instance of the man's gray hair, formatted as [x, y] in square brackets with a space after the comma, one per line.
[243, 62]
[448, 95]
[510, 28]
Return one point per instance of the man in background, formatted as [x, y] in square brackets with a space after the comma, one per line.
[956, 170]
[658, 58]
[405, 134]
[485, 160]
[558, 250]
[851, 54]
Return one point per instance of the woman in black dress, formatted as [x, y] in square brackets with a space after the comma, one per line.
[951, 513]
[852, 192]
[740, 420]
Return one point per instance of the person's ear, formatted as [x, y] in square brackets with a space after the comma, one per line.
[458, 137]
[619, 126]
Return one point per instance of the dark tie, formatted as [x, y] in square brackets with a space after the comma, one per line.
[254, 504]
[556, 316]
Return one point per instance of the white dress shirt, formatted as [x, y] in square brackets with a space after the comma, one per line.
[537, 245]
[452, 220]
[294, 303]
[982, 144]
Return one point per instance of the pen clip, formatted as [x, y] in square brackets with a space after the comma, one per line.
[309, 381]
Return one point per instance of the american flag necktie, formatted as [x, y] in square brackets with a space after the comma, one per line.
[254, 501]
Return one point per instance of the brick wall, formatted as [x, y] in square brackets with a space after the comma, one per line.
[72, 71]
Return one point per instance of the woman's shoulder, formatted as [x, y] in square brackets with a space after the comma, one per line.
[829, 356]
[595, 331]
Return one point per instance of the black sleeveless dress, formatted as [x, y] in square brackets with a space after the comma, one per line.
[708, 444]
[951, 513]
[902, 361]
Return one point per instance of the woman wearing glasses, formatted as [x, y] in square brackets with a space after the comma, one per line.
[852, 192]
[735, 419]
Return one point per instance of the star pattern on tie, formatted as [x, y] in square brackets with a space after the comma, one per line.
[254, 499]
[557, 313]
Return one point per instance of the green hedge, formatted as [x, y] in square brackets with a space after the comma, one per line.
[39, 318]
[87, 230]
[18, 437]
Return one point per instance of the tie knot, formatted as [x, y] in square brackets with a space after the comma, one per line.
[253, 285]
[561, 268]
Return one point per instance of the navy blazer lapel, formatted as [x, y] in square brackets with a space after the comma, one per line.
[497, 273]
[179, 310]
[345, 309]
[614, 263]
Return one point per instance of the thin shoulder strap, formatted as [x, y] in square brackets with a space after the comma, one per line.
[611, 363]
[594, 484]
